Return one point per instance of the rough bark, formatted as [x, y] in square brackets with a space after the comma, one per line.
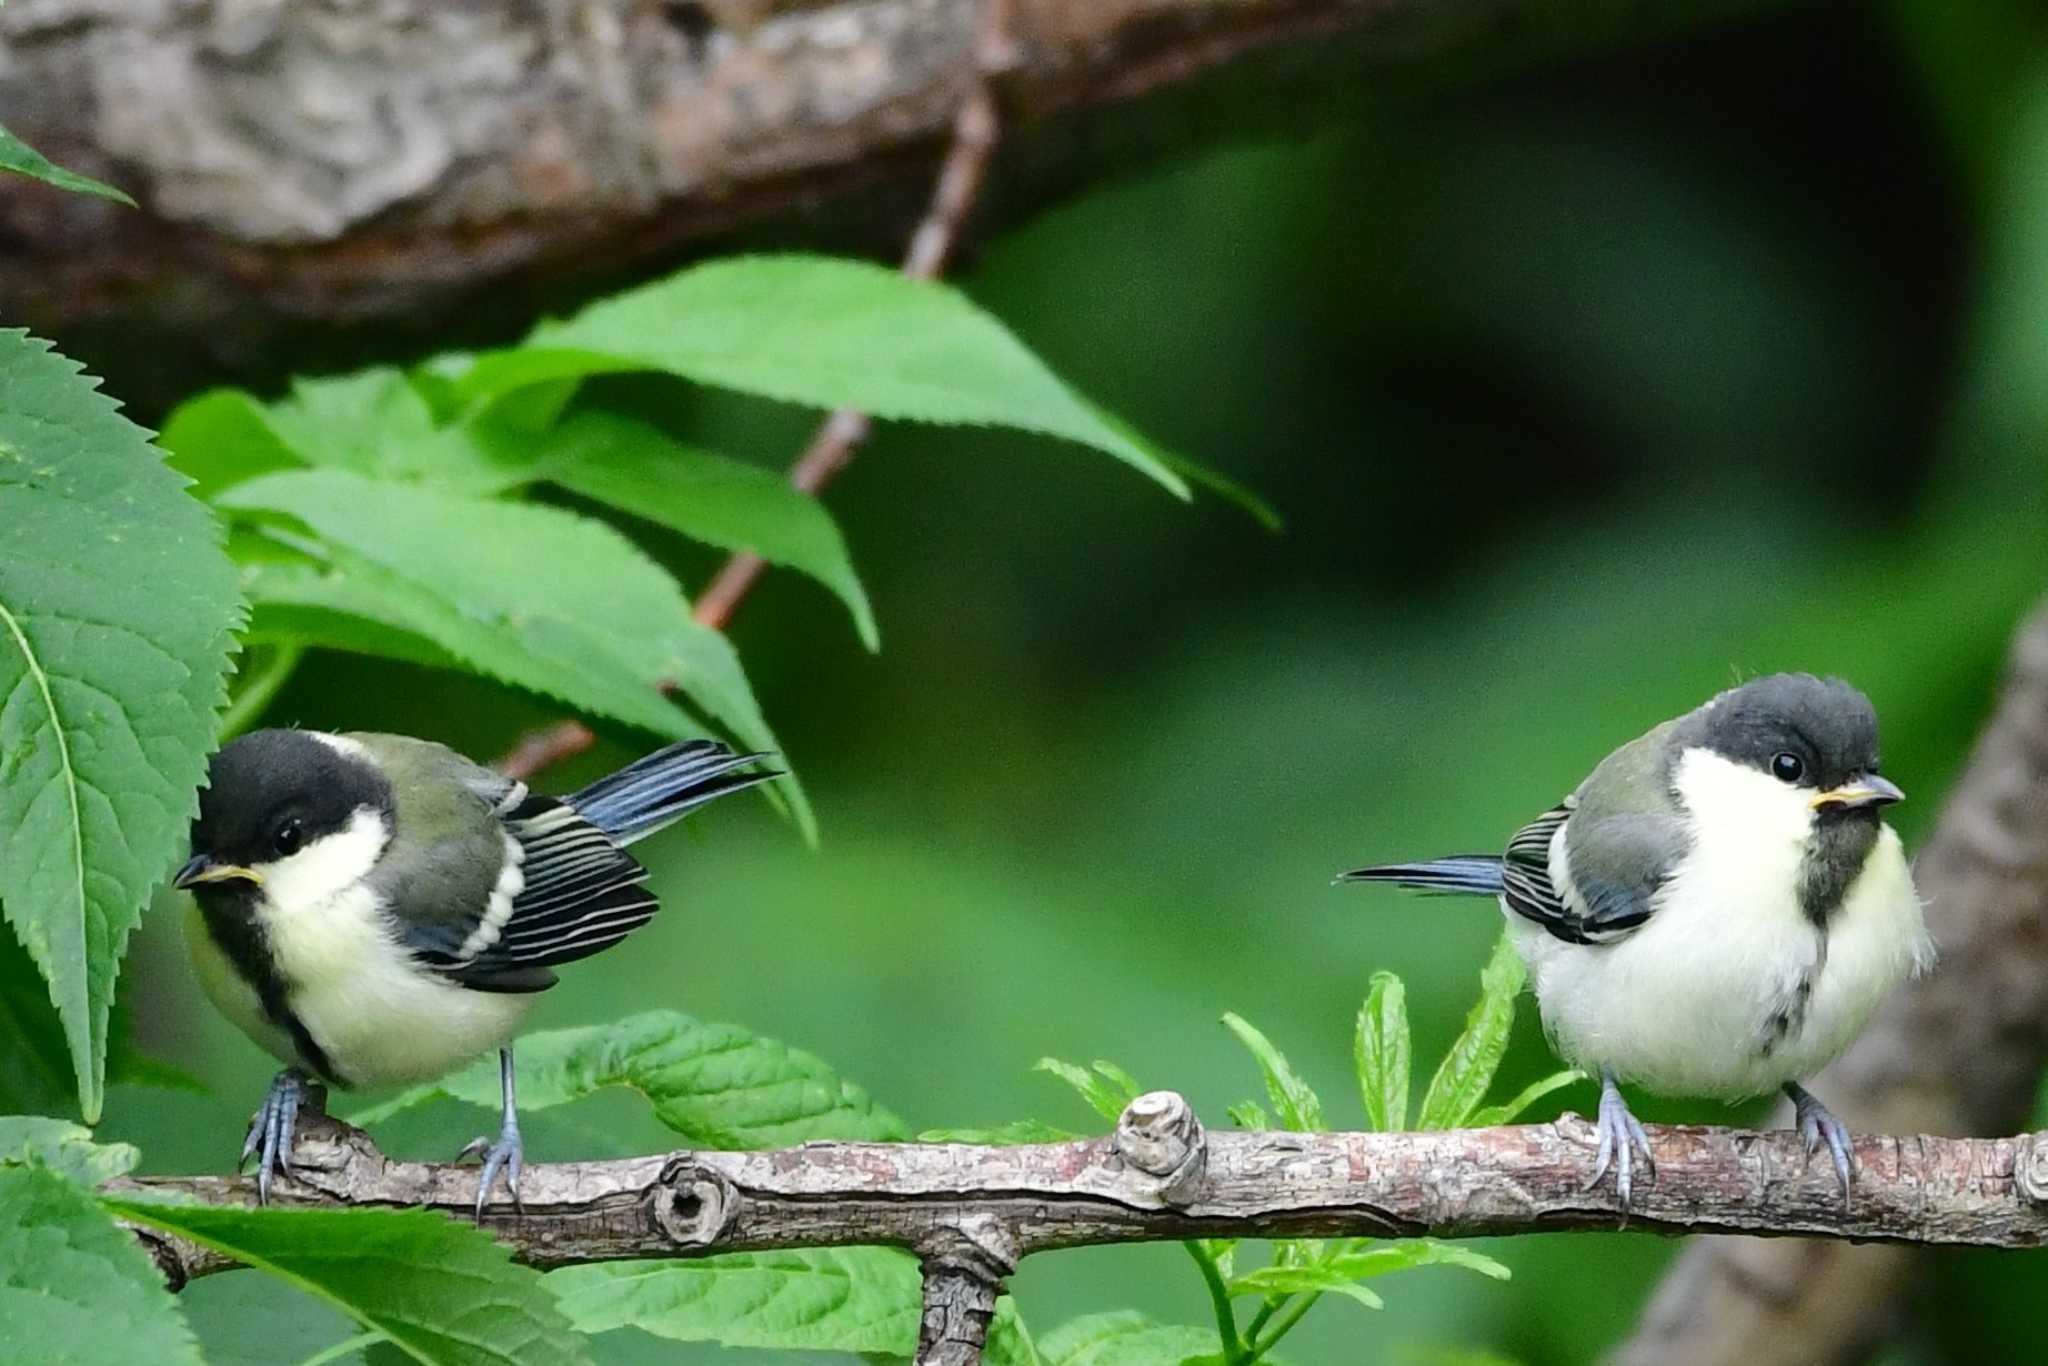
[1960, 1051]
[971, 1212]
[331, 159]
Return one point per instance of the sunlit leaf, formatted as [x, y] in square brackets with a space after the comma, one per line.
[442, 1290]
[22, 159]
[116, 603]
[75, 1288]
[1380, 1050]
[1466, 1073]
[63, 1147]
[1509, 1111]
[533, 595]
[824, 332]
[1294, 1099]
[1107, 1093]
[639, 469]
[1124, 1338]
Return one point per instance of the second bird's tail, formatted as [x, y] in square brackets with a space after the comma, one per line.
[662, 788]
[1461, 874]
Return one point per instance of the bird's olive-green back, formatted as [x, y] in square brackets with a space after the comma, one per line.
[448, 848]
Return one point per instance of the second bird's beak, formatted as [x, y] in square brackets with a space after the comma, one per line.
[1866, 789]
[201, 868]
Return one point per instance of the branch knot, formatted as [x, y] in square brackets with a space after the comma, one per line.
[693, 1206]
[1159, 1136]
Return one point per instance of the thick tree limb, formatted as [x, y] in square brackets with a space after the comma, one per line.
[330, 159]
[972, 1212]
[1960, 1051]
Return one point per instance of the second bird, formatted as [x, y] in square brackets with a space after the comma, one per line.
[1715, 911]
[377, 910]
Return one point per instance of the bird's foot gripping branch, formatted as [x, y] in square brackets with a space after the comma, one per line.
[803, 1216]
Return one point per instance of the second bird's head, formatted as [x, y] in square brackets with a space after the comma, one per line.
[287, 815]
[1791, 749]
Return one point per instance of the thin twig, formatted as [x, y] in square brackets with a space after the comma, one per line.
[984, 1208]
[976, 130]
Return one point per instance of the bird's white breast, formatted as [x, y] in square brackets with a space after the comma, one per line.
[1685, 1005]
[380, 1016]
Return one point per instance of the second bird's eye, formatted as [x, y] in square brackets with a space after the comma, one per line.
[1787, 767]
[288, 837]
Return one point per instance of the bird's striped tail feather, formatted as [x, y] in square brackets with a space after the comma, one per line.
[1461, 874]
[667, 785]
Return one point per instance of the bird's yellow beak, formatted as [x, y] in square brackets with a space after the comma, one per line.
[1865, 789]
[201, 868]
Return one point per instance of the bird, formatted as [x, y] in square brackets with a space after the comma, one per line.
[1715, 912]
[376, 910]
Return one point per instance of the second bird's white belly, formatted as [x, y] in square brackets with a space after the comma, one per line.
[1684, 1005]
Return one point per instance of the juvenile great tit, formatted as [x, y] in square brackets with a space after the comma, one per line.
[1715, 911]
[376, 910]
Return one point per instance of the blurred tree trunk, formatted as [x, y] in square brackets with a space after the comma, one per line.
[331, 160]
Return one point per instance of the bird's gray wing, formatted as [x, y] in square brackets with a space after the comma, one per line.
[1624, 834]
[491, 885]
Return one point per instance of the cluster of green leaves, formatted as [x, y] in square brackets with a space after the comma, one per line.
[405, 513]
[1300, 1271]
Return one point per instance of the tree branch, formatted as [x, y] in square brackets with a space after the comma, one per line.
[332, 160]
[971, 1212]
[1959, 1051]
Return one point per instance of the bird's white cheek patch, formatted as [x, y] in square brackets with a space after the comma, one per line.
[1739, 806]
[329, 865]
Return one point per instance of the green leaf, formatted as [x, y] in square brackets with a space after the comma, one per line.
[1125, 1337]
[1016, 1132]
[1009, 1342]
[1380, 1259]
[222, 437]
[116, 604]
[76, 1288]
[1510, 1111]
[861, 1299]
[344, 606]
[535, 596]
[1279, 1281]
[638, 468]
[1248, 1114]
[1295, 1100]
[1107, 1089]
[441, 1290]
[63, 1147]
[22, 159]
[376, 422]
[716, 1085]
[1462, 1079]
[827, 333]
[1380, 1049]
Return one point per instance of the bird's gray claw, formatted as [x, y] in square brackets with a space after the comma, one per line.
[506, 1154]
[273, 1131]
[1817, 1125]
[1623, 1143]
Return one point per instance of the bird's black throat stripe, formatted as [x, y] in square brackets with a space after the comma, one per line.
[230, 913]
[1835, 853]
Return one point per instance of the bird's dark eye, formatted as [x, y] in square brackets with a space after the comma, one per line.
[288, 836]
[1787, 767]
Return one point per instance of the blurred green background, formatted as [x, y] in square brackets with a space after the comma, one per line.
[1583, 391]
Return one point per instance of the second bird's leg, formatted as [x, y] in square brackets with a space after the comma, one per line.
[1622, 1140]
[1815, 1125]
[508, 1153]
[273, 1130]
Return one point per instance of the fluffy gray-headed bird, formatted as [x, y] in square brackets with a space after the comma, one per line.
[1715, 911]
[376, 910]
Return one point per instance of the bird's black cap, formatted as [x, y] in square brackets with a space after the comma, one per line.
[269, 780]
[1827, 724]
